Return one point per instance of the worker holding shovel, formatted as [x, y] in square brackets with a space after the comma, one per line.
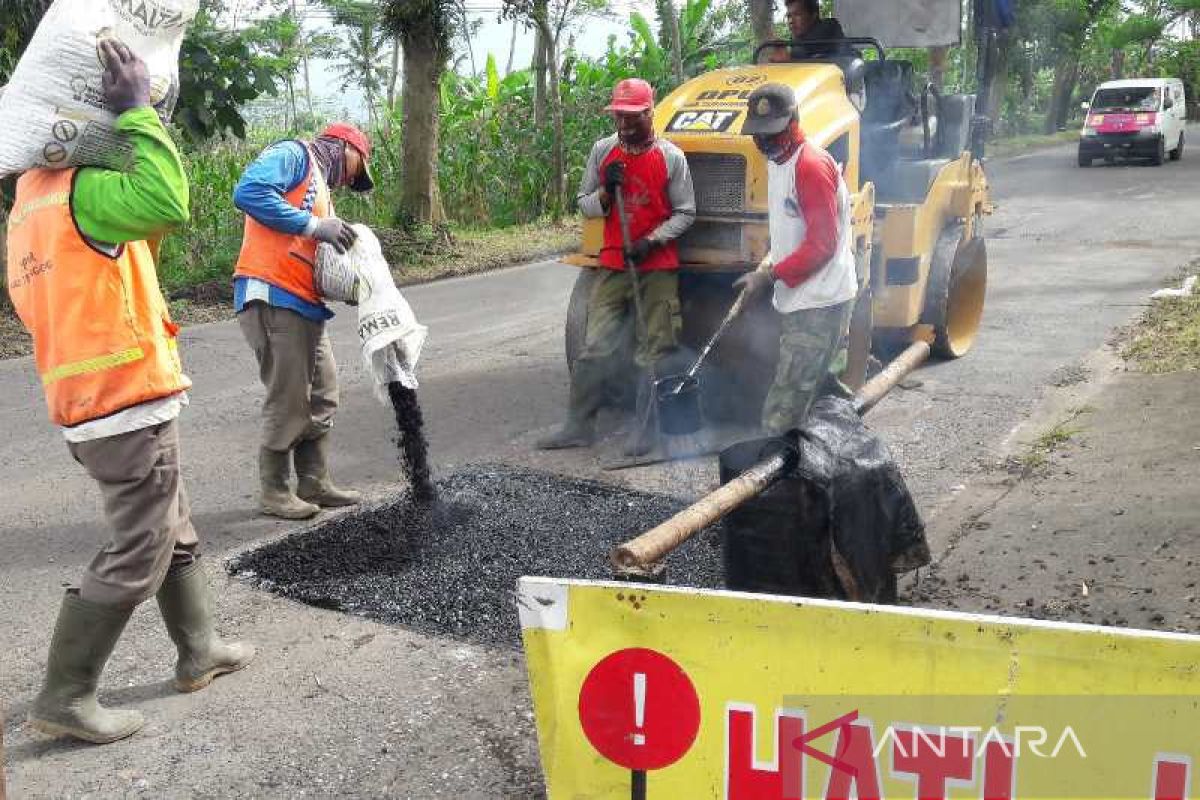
[652, 175]
[811, 262]
[285, 194]
[82, 279]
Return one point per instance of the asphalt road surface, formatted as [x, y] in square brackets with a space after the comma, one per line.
[337, 705]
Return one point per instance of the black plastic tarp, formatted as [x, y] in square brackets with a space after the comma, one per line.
[841, 524]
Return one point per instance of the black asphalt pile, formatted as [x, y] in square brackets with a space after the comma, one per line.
[451, 566]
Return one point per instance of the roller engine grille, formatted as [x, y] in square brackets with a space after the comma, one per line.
[719, 181]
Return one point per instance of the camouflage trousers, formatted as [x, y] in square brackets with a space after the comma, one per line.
[611, 306]
[812, 352]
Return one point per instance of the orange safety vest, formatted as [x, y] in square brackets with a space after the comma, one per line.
[283, 259]
[103, 340]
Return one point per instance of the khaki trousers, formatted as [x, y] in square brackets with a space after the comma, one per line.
[295, 364]
[611, 305]
[147, 511]
[812, 353]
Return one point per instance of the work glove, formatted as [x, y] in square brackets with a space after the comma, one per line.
[126, 80]
[756, 282]
[614, 176]
[333, 231]
[639, 249]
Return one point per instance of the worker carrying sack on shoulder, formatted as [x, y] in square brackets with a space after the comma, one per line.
[389, 335]
[52, 113]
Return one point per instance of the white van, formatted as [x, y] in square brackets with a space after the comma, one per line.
[1138, 118]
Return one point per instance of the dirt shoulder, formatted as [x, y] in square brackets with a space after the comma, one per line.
[1095, 519]
[414, 259]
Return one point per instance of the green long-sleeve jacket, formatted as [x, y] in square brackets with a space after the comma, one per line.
[143, 203]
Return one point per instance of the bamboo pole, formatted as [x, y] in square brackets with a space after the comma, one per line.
[657, 542]
[877, 388]
[644, 551]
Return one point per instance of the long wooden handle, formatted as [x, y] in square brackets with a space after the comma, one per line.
[657, 542]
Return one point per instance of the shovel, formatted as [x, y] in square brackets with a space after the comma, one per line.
[678, 396]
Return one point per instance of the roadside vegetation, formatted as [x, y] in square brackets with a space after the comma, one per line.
[1167, 339]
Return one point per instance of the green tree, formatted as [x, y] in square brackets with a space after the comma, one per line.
[220, 71]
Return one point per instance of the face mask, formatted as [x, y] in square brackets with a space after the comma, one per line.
[770, 145]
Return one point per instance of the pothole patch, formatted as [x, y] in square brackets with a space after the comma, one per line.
[451, 568]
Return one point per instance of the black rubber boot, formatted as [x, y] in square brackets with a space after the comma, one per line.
[587, 394]
[84, 638]
[183, 600]
[314, 485]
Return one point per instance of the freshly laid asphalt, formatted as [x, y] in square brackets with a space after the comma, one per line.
[338, 706]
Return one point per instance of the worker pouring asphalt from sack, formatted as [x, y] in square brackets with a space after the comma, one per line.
[82, 279]
[285, 195]
[810, 263]
[660, 205]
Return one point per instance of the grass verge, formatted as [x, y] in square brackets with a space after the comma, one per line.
[1167, 338]
[424, 258]
[1016, 145]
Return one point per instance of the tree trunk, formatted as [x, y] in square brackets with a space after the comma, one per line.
[672, 22]
[304, 60]
[394, 77]
[291, 105]
[937, 66]
[540, 45]
[762, 20]
[1118, 65]
[1066, 72]
[557, 155]
[423, 65]
[466, 34]
[512, 48]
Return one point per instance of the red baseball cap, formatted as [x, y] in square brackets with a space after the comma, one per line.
[360, 142]
[631, 96]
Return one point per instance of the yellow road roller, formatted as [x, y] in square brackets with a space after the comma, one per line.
[911, 158]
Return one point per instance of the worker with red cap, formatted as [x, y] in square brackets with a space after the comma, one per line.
[652, 174]
[286, 196]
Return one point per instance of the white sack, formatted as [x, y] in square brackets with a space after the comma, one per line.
[53, 112]
[388, 332]
[1189, 285]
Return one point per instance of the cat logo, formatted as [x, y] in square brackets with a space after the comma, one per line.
[701, 121]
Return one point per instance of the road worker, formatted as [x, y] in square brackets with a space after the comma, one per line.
[660, 206]
[810, 265]
[82, 280]
[285, 195]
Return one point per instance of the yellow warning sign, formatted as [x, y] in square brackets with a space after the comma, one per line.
[682, 694]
